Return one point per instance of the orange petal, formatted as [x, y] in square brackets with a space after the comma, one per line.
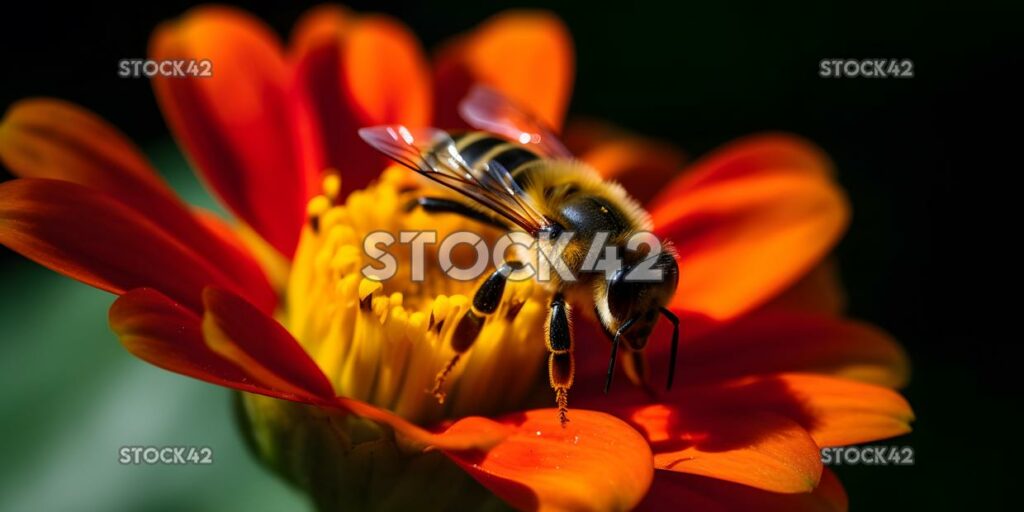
[831, 410]
[673, 491]
[772, 342]
[353, 72]
[760, 449]
[845, 412]
[89, 236]
[596, 462]
[834, 411]
[768, 151]
[248, 351]
[48, 138]
[761, 343]
[748, 221]
[239, 125]
[643, 166]
[322, 24]
[526, 55]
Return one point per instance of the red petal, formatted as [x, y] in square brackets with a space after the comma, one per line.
[678, 491]
[760, 419]
[248, 351]
[820, 291]
[596, 462]
[764, 342]
[162, 332]
[526, 55]
[353, 72]
[46, 138]
[87, 235]
[765, 199]
[781, 341]
[240, 333]
[238, 125]
[834, 411]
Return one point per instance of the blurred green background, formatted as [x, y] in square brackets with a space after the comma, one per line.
[917, 157]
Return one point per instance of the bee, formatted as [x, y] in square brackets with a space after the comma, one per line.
[515, 175]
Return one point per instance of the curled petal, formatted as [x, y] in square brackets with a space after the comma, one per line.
[673, 491]
[525, 55]
[48, 138]
[351, 72]
[238, 125]
[748, 221]
[596, 462]
[234, 345]
[89, 236]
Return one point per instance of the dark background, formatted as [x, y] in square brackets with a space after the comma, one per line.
[920, 159]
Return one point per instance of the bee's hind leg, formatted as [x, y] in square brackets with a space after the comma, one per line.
[561, 366]
[444, 205]
[485, 302]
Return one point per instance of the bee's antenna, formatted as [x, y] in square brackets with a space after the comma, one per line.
[615, 350]
[675, 344]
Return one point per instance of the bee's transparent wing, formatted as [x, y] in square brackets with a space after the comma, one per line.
[432, 153]
[486, 109]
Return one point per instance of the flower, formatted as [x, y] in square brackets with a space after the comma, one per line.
[335, 369]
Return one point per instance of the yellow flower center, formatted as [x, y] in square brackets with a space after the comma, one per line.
[385, 342]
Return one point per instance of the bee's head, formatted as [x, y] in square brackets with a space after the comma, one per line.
[635, 297]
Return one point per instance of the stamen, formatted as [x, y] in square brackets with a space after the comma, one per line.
[439, 380]
[387, 342]
[314, 209]
[332, 186]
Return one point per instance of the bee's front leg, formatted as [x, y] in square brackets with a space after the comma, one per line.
[634, 363]
[561, 366]
[485, 302]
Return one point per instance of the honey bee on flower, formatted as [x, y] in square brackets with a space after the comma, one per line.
[335, 371]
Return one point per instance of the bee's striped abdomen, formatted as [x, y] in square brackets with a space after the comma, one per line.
[481, 148]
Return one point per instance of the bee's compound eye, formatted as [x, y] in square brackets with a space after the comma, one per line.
[622, 293]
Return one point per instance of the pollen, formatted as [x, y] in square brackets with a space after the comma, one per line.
[387, 341]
